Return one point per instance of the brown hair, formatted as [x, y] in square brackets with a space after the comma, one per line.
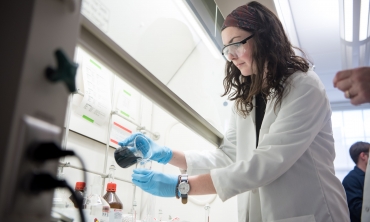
[357, 148]
[271, 46]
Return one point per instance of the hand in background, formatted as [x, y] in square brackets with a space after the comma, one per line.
[156, 183]
[161, 154]
[355, 83]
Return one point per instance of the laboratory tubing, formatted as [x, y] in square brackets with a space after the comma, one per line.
[115, 213]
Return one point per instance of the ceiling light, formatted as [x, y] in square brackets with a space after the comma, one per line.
[285, 15]
[348, 20]
[354, 29]
[364, 20]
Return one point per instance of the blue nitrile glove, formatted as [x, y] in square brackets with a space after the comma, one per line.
[156, 183]
[161, 154]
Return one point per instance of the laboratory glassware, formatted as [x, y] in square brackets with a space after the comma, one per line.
[80, 192]
[149, 212]
[139, 150]
[115, 213]
[99, 208]
[207, 209]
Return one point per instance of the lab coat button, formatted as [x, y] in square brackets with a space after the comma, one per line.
[367, 209]
[254, 191]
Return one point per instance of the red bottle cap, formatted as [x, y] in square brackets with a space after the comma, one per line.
[80, 185]
[111, 187]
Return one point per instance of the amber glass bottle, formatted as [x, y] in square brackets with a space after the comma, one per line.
[79, 190]
[114, 202]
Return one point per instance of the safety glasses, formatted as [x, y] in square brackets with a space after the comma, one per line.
[235, 50]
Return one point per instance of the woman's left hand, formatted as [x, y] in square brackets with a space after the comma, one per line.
[156, 183]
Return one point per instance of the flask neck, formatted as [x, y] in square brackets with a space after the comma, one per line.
[95, 189]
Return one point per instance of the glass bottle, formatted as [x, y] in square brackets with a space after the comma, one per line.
[71, 204]
[98, 207]
[115, 213]
[80, 192]
[59, 199]
[112, 170]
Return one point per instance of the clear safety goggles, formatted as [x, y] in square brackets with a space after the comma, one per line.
[235, 50]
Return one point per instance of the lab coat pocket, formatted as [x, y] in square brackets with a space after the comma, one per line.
[307, 218]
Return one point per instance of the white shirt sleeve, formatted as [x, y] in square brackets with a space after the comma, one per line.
[201, 162]
[365, 214]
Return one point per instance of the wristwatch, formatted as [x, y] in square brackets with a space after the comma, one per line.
[184, 188]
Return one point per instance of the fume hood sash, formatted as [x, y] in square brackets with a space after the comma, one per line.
[99, 44]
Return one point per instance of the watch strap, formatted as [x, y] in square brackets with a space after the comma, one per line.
[177, 187]
[184, 199]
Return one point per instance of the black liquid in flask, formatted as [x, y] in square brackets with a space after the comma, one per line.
[125, 157]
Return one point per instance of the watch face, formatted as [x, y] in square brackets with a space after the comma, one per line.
[184, 188]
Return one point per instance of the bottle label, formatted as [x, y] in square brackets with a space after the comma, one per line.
[115, 215]
[105, 211]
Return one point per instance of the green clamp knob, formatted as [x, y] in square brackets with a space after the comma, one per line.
[66, 71]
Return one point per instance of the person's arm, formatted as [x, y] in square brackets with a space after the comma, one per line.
[178, 159]
[201, 185]
[195, 162]
[198, 162]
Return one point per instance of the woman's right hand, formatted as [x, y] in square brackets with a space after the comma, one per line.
[161, 154]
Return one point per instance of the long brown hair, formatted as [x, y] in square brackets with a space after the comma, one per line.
[272, 53]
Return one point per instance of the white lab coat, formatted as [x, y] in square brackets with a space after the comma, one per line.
[365, 213]
[290, 176]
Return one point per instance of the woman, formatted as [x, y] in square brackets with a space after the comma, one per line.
[279, 144]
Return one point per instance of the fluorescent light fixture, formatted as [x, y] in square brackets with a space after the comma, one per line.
[364, 19]
[285, 15]
[354, 25]
[348, 20]
[280, 13]
[198, 29]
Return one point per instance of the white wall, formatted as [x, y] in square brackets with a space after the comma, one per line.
[349, 126]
